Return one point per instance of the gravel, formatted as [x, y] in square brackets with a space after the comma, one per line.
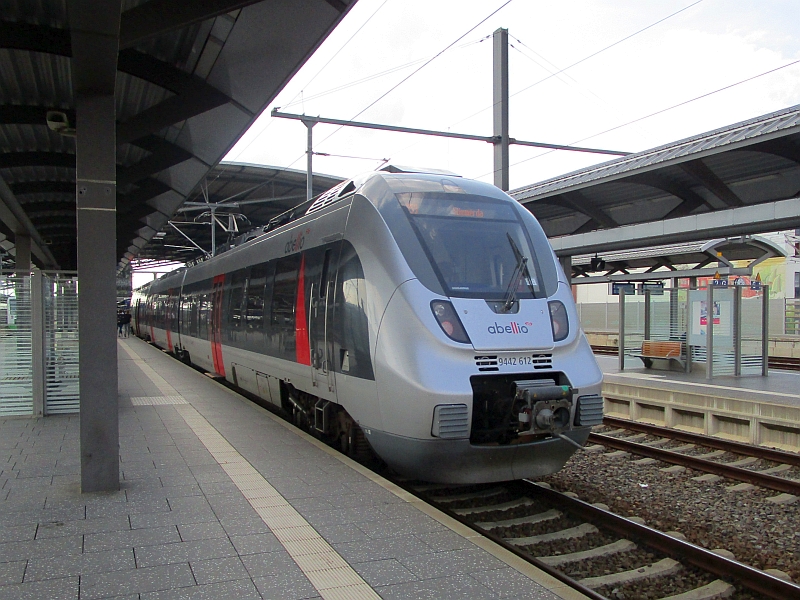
[759, 533]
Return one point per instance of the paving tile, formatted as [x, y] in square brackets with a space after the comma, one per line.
[255, 544]
[51, 589]
[459, 587]
[52, 529]
[238, 526]
[18, 533]
[97, 542]
[285, 586]
[150, 579]
[218, 569]
[80, 564]
[49, 548]
[200, 531]
[510, 583]
[148, 556]
[270, 564]
[11, 572]
[384, 572]
[233, 590]
[175, 517]
[380, 549]
[442, 564]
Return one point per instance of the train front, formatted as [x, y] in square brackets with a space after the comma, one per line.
[483, 372]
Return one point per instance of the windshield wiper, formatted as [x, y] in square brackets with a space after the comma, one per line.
[520, 271]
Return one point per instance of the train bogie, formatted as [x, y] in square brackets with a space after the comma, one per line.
[422, 315]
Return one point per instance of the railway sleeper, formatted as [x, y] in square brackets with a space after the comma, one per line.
[504, 506]
[711, 591]
[469, 495]
[548, 515]
[607, 550]
[662, 568]
[565, 534]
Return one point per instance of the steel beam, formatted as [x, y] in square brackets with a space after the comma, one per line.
[703, 174]
[759, 218]
[37, 159]
[43, 187]
[161, 16]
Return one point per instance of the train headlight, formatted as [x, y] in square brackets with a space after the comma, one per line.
[558, 320]
[449, 322]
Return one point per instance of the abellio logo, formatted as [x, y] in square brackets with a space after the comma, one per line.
[295, 243]
[513, 328]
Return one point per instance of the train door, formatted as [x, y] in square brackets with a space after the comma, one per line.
[170, 317]
[137, 316]
[215, 324]
[320, 325]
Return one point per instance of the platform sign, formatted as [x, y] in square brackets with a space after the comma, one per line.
[755, 285]
[720, 282]
[630, 288]
[655, 289]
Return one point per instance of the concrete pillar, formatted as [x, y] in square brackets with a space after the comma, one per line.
[500, 112]
[95, 45]
[22, 245]
[97, 296]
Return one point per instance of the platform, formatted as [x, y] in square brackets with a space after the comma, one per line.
[753, 409]
[221, 499]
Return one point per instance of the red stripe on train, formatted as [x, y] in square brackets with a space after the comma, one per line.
[302, 347]
[216, 324]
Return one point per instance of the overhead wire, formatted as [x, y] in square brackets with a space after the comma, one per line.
[335, 54]
[661, 111]
[585, 58]
[425, 64]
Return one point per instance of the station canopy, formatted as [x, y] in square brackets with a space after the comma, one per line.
[739, 179]
[724, 256]
[240, 198]
[192, 76]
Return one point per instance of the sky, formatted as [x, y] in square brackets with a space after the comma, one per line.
[428, 64]
[675, 51]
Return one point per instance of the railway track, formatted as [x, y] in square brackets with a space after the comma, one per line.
[600, 554]
[773, 362]
[711, 460]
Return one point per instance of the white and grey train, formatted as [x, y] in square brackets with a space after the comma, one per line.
[422, 314]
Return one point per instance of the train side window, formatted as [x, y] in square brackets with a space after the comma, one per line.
[284, 292]
[237, 295]
[255, 297]
[323, 280]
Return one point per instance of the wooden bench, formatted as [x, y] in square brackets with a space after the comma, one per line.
[662, 350]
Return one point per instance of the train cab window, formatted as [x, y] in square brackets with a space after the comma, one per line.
[473, 243]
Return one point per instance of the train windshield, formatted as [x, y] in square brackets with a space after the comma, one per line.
[476, 244]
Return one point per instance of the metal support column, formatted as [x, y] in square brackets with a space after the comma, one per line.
[22, 246]
[765, 331]
[737, 330]
[95, 46]
[38, 342]
[710, 332]
[500, 111]
[566, 264]
[621, 343]
[647, 321]
[309, 160]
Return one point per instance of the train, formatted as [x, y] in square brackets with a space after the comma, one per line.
[413, 314]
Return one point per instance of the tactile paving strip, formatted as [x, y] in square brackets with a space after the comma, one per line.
[157, 400]
[327, 571]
